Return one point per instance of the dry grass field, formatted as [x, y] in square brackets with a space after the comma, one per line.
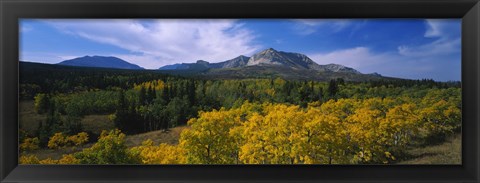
[97, 123]
[170, 137]
[449, 152]
[28, 118]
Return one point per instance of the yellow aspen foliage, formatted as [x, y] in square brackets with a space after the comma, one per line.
[441, 117]
[161, 154]
[273, 138]
[340, 131]
[28, 159]
[364, 132]
[401, 124]
[68, 159]
[341, 108]
[48, 161]
[78, 139]
[155, 84]
[29, 144]
[253, 153]
[65, 160]
[58, 140]
[324, 138]
[209, 141]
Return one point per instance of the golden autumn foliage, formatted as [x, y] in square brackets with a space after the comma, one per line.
[28, 159]
[272, 138]
[161, 154]
[65, 160]
[155, 84]
[59, 140]
[340, 131]
[210, 142]
[29, 144]
[78, 139]
[32, 159]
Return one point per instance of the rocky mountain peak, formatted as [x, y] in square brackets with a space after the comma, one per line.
[203, 62]
[340, 68]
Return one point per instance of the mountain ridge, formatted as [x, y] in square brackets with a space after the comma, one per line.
[100, 61]
[270, 63]
[268, 56]
[267, 63]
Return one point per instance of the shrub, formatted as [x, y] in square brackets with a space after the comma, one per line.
[29, 144]
[110, 149]
[28, 159]
[59, 140]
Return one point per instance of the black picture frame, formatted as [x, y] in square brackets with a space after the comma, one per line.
[12, 10]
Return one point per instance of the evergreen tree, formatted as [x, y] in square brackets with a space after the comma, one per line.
[151, 94]
[166, 94]
[142, 96]
[42, 103]
[320, 94]
[191, 92]
[332, 88]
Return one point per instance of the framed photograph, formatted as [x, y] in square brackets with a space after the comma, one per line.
[194, 91]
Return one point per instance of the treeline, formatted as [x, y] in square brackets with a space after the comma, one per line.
[54, 79]
[430, 83]
[156, 108]
[133, 111]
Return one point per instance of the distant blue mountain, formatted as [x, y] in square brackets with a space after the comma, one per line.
[100, 61]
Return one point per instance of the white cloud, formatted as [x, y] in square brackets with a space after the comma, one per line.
[431, 64]
[433, 29]
[442, 28]
[146, 61]
[360, 58]
[310, 26]
[447, 39]
[439, 47]
[154, 43]
[393, 64]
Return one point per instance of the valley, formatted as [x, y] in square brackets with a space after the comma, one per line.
[274, 107]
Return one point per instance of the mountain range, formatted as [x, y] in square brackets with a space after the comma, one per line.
[268, 57]
[265, 64]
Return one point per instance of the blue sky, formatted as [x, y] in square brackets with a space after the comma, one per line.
[405, 48]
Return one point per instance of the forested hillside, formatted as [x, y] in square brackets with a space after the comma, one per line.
[228, 121]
